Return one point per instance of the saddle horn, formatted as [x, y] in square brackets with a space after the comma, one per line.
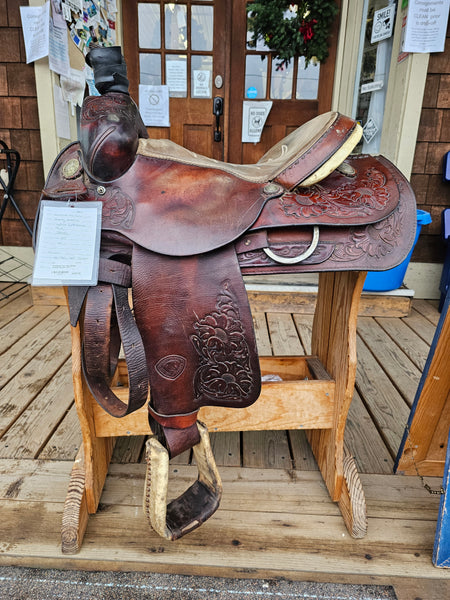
[110, 69]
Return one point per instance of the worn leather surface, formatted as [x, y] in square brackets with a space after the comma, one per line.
[187, 231]
[109, 132]
[290, 162]
[184, 210]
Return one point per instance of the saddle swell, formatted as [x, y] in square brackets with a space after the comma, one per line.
[179, 230]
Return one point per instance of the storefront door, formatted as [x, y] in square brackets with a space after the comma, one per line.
[199, 49]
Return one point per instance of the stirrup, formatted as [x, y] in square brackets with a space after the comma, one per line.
[196, 505]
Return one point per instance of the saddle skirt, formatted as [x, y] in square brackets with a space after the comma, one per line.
[180, 230]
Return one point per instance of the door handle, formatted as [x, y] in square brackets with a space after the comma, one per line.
[218, 111]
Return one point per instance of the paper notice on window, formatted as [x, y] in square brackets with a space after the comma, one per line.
[68, 243]
[35, 26]
[425, 27]
[58, 55]
[176, 76]
[62, 119]
[254, 115]
[154, 105]
[202, 84]
[72, 87]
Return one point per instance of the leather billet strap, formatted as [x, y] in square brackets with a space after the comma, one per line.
[195, 505]
[108, 322]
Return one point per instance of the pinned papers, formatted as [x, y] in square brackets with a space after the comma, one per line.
[425, 27]
[154, 105]
[35, 20]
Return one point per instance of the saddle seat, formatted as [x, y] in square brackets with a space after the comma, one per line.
[304, 157]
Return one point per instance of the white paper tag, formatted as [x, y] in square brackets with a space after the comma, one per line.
[68, 243]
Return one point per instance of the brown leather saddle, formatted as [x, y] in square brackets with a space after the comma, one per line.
[180, 229]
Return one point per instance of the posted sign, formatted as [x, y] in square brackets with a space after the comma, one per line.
[383, 24]
[426, 26]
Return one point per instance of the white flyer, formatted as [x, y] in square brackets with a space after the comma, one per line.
[426, 26]
[62, 119]
[254, 115]
[68, 243]
[202, 86]
[58, 52]
[72, 87]
[176, 76]
[35, 20]
[154, 105]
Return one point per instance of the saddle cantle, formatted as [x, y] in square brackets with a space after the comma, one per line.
[180, 229]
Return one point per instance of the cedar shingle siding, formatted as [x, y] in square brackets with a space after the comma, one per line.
[433, 141]
[19, 123]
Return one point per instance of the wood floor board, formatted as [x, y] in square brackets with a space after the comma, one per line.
[33, 376]
[303, 324]
[266, 449]
[262, 334]
[226, 447]
[25, 349]
[129, 449]
[302, 455]
[32, 429]
[415, 348]
[11, 307]
[21, 325]
[421, 325]
[396, 364]
[66, 440]
[384, 403]
[364, 442]
[283, 335]
[427, 308]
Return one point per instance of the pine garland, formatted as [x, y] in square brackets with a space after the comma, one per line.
[290, 29]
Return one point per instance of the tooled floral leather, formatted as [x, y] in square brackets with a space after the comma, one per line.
[224, 372]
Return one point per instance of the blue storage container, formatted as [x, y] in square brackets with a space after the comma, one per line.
[383, 281]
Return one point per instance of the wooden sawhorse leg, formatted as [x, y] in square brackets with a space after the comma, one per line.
[91, 464]
[334, 343]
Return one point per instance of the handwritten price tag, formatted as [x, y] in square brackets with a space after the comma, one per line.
[68, 243]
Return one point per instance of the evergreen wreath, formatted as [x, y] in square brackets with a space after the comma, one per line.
[290, 29]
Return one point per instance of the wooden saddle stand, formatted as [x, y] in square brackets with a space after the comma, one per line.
[179, 230]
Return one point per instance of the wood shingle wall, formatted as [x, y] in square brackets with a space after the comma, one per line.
[19, 123]
[433, 141]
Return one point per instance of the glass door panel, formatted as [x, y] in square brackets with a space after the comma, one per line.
[202, 28]
[175, 26]
[150, 69]
[255, 76]
[307, 80]
[281, 80]
[149, 26]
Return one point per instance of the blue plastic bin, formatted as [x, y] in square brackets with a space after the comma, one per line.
[383, 281]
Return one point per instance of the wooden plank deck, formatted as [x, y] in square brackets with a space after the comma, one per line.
[275, 520]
